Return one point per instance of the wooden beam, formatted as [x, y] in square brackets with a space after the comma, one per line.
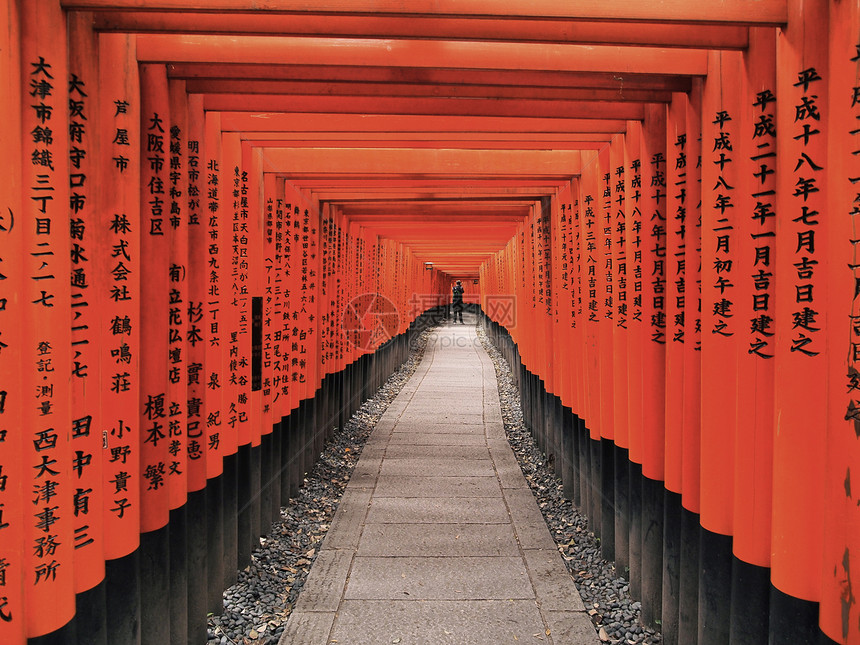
[427, 76]
[548, 139]
[449, 54]
[352, 195]
[540, 30]
[425, 106]
[441, 143]
[339, 88]
[392, 182]
[232, 121]
[364, 161]
[409, 140]
[760, 12]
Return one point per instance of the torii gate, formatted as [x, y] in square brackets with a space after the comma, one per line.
[666, 190]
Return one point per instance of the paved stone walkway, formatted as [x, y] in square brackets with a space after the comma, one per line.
[438, 538]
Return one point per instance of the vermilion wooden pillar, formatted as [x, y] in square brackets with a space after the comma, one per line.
[220, 455]
[839, 616]
[280, 389]
[178, 293]
[198, 337]
[88, 307]
[562, 311]
[622, 296]
[177, 355]
[120, 352]
[591, 368]
[47, 487]
[154, 404]
[13, 626]
[676, 294]
[269, 419]
[755, 286]
[634, 223]
[535, 320]
[688, 605]
[721, 329]
[800, 319]
[607, 279]
[252, 164]
[235, 430]
[653, 160]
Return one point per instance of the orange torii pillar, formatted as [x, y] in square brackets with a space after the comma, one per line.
[676, 294]
[154, 408]
[88, 306]
[289, 389]
[266, 345]
[271, 347]
[198, 336]
[607, 276]
[236, 428]
[120, 352]
[563, 306]
[621, 291]
[653, 208]
[721, 329]
[246, 240]
[688, 584]
[13, 619]
[47, 481]
[635, 342]
[589, 226]
[280, 385]
[754, 279]
[839, 616]
[220, 456]
[179, 268]
[801, 322]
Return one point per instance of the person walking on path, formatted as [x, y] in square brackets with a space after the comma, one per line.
[457, 301]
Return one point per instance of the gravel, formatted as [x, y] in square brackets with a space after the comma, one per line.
[614, 614]
[256, 608]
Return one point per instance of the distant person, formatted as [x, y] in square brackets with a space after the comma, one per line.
[457, 301]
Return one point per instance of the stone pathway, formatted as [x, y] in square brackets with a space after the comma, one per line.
[438, 538]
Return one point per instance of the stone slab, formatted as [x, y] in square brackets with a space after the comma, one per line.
[529, 524]
[363, 477]
[571, 628]
[441, 510]
[419, 578]
[437, 439]
[442, 410]
[474, 622]
[407, 451]
[307, 628]
[324, 586]
[397, 486]
[553, 584]
[438, 540]
[437, 467]
[433, 427]
[348, 521]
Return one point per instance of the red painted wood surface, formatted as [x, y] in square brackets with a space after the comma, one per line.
[47, 482]
[340, 147]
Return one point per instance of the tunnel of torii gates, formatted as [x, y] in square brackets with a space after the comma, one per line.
[223, 221]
